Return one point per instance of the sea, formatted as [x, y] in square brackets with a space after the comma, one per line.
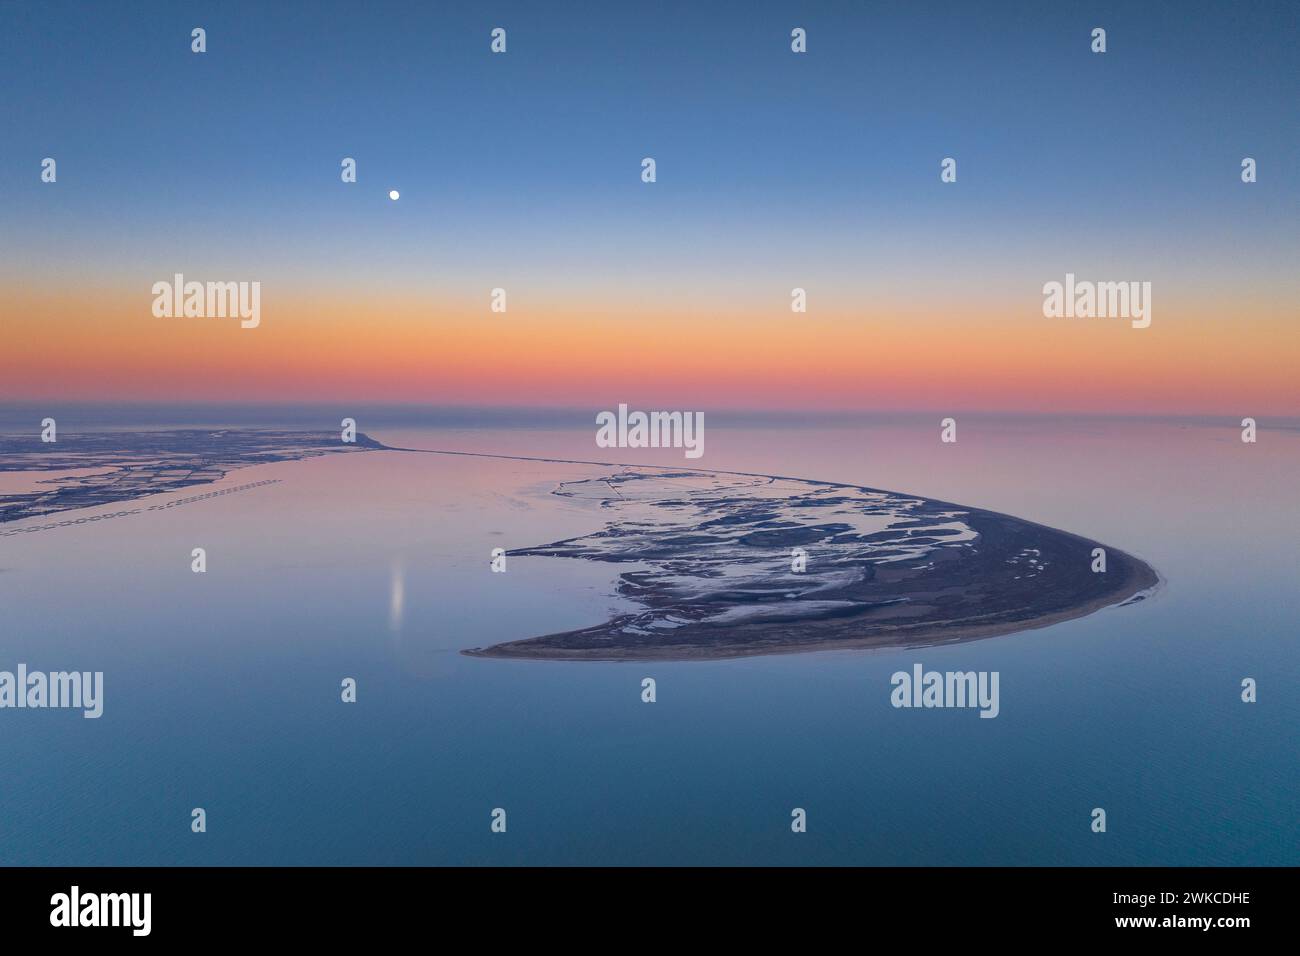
[222, 691]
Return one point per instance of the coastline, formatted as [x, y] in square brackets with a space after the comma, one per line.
[1128, 579]
[906, 607]
[926, 636]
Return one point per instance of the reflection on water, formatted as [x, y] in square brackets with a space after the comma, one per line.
[222, 689]
[396, 597]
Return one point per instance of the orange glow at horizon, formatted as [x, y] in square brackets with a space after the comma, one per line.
[889, 356]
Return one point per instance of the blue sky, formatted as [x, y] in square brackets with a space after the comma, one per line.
[764, 157]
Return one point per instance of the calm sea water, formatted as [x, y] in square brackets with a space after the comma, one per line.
[222, 689]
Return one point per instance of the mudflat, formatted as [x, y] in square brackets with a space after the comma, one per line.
[733, 565]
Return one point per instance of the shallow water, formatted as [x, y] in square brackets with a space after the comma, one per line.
[222, 689]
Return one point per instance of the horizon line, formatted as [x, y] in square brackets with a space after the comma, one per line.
[540, 413]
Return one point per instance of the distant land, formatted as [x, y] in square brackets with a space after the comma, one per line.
[127, 465]
[713, 567]
[715, 578]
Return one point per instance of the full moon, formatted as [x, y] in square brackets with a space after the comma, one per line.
[393, 194]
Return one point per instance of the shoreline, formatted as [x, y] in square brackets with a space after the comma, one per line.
[897, 604]
[985, 607]
[931, 636]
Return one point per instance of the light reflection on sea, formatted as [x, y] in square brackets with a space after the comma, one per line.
[222, 689]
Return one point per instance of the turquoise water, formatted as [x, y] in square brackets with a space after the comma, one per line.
[222, 689]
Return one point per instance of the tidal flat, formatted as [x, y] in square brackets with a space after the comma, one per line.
[223, 688]
[733, 565]
[720, 564]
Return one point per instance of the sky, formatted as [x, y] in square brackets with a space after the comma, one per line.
[775, 170]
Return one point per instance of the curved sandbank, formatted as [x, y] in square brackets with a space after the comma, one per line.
[716, 572]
